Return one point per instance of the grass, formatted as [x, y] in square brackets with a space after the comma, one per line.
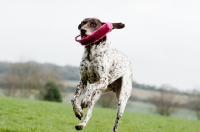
[22, 115]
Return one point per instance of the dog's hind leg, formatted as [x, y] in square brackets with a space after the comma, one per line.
[123, 95]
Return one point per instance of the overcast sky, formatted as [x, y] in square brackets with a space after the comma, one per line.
[161, 37]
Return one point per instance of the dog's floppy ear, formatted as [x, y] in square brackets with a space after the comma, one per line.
[79, 26]
[102, 23]
[118, 25]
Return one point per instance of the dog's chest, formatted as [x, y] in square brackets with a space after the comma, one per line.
[95, 63]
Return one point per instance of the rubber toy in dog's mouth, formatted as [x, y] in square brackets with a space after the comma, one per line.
[96, 35]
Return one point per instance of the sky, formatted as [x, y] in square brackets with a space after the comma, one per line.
[161, 37]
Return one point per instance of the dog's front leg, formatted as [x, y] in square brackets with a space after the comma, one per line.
[86, 101]
[95, 96]
[76, 107]
[98, 88]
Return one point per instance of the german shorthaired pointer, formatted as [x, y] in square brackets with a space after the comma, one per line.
[102, 69]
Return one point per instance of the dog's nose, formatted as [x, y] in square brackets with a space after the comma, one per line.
[83, 31]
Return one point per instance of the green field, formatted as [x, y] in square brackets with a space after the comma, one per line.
[22, 115]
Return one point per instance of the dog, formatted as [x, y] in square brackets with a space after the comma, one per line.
[102, 69]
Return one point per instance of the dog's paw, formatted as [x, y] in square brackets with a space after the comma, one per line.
[79, 113]
[80, 126]
[115, 128]
[85, 104]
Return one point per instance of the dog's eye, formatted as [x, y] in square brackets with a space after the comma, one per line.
[93, 23]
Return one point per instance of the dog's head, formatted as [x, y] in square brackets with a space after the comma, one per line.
[89, 25]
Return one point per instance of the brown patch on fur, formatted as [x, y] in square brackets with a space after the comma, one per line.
[118, 25]
[93, 24]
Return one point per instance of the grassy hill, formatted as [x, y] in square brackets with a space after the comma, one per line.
[22, 115]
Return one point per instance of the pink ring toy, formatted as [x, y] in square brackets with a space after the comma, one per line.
[96, 35]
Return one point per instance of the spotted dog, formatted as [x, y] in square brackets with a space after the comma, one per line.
[102, 69]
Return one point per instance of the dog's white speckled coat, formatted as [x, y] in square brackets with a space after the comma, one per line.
[105, 69]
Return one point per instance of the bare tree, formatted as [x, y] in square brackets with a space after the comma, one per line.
[11, 82]
[165, 101]
[42, 78]
[28, 76]
[25, 72]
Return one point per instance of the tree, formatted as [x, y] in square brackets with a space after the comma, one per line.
[165, 101]
[18, 77]
[53, 93]
[24, 77]
[11, 84]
